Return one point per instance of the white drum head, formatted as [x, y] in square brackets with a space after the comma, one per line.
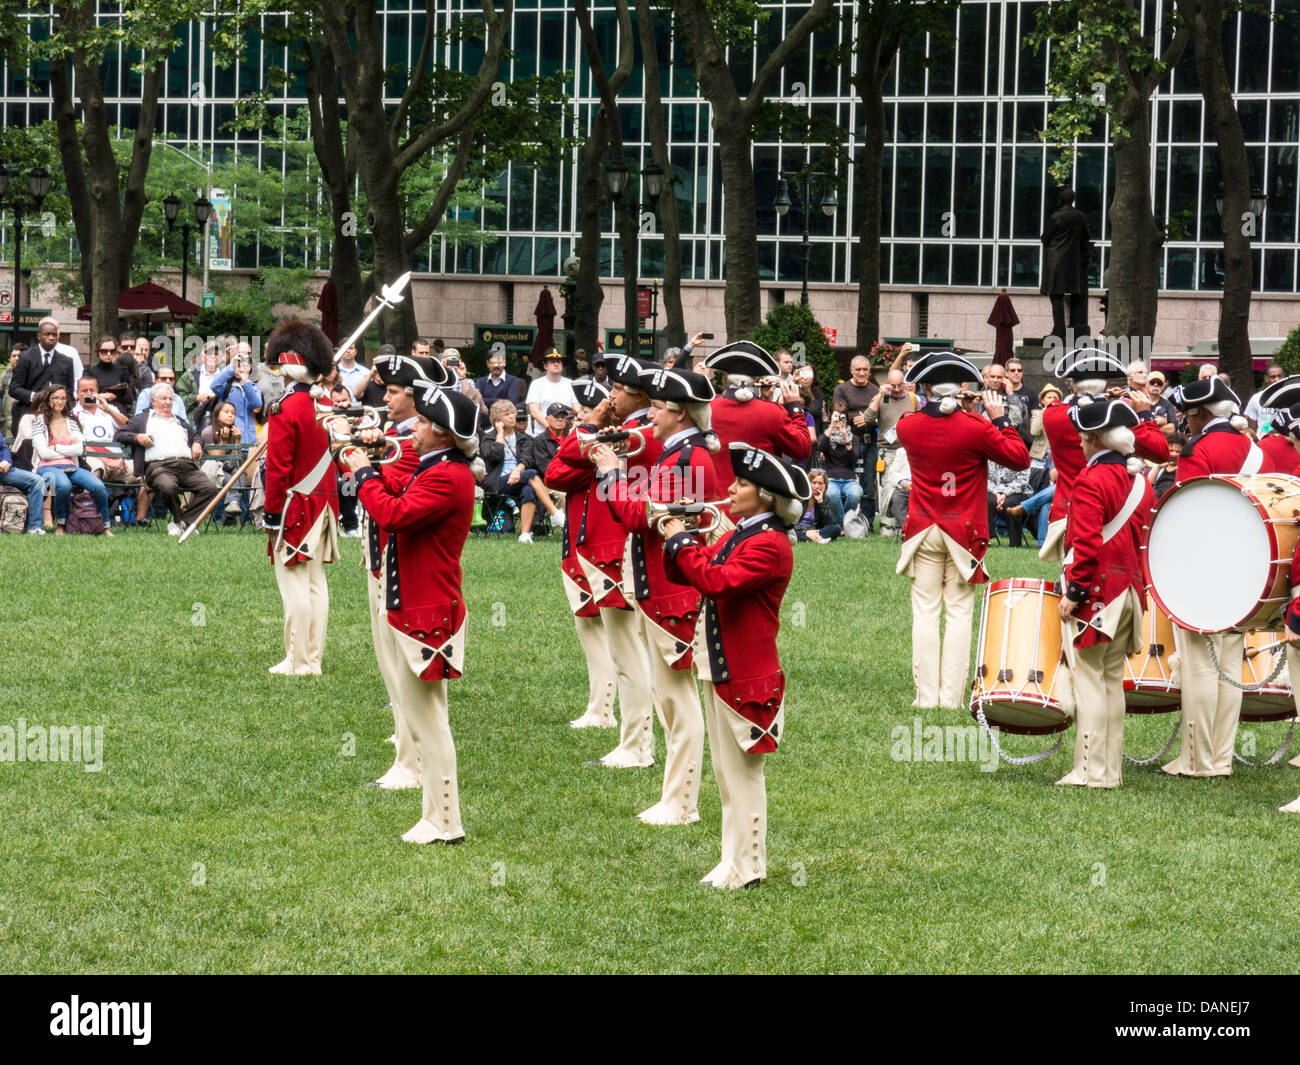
[1209, 555]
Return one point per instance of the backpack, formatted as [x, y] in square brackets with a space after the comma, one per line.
[13, 510]
[83, 515]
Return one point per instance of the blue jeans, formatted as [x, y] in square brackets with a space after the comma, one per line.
[842, 493]
[64, 478]
[1040, 503]
[34, 486]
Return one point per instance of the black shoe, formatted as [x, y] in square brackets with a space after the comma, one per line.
[752, 884]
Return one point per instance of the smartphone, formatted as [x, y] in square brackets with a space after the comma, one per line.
[706, 336]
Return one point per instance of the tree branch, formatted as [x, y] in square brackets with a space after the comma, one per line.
[417, 79]
[780, 55]
[424, 230]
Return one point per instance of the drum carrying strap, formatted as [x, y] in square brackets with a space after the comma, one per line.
[1112, 527]
[1254, 460]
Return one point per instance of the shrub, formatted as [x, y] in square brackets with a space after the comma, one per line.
[1289, 353]
[793, 326]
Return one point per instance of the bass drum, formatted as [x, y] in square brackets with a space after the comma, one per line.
[1022, 683]
[1274, 701]
[1219, 555]
[1151, 684]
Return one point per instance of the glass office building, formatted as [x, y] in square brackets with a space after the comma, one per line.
[962, 145]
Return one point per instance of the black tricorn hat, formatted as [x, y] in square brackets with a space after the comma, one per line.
[447, 409]
[410, 370]
[1087, 362]
[767, 471]
[1283, 393]
[1097, 417]
[941, 368]
[1199, 393]
[743, 357]
[626, 369]
[676, 386]
[590, 393]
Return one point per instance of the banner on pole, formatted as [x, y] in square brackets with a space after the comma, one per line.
[221, 231]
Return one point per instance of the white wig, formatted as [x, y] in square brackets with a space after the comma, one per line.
[702, 415]
[744, 384]
[786, 508]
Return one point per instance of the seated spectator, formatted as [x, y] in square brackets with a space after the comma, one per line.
[141, 352]
[223, 431]
[99, 420]
[57, 446]
[818, 525]
[1007, 488]
[1162, 476]
[165, 376]
[838, 452]
[165, 451]
[895, 493]
[1038, 450]
[514, 469]
[25, 481]
[349, 523]
[1037, 507]
[559, 420]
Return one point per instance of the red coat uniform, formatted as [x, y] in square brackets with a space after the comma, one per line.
[1067, 452]
[1279, 455]
[1098, 574]
[683, 471]
[780, 430]
[296, 445]
[427, 520]
[949, 456]
[1220, 449]
[743, 579]
[396, 475]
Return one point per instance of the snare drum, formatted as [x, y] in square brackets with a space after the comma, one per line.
[1276, 702]
[1219, 555]
[1021, 675]
[1149, 683]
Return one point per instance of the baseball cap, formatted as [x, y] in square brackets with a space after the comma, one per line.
[558, 410]
[1155, 375]
[552, 355]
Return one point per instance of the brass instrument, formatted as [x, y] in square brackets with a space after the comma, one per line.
[626, 442]
[344, 426]
[691, 515]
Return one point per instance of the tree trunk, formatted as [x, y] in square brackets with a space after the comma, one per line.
[1136, 241]
[588, 295]
[868, 194]
[106, 265]
[74, 173]
[1224, 125]
[327, 141]
[675, 327]
[742, 301]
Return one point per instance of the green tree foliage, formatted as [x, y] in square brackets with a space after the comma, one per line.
[794, 326]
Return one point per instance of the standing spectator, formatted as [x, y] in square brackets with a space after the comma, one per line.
[460, 379]
[58, 445]
[233, 384]
[1137, 375]
[1260, 418]
[818, 525]
[785, 362]
[995, 380]
[349, 522]
[497, 384]
[854, 397]
[1164, 412]
[1207, 370]
[270, 382]
[554, 387]
[165, 452]
[372, 391]
[1016, 385]
[110, 376]
[142, 351]
[38, 367]
[884, 410]
[838, 451]
[351, 373]
[166, 376]
[599, 371]
[6, 400]
[194, 385]
[1039, 454]
[816, 405]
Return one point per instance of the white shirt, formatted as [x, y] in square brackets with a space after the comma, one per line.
[543, 391]
[170, 441]
[681, 434]
[97, 425]
[1263, 416]
[78, 369]
[754, 519]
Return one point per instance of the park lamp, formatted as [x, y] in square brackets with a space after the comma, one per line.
[830, 202]
[202, 210]
[4, 179]
[652, 178]
[171, 208]
[616, 179]
[782, 201]
[1257, 204]
[38, 184]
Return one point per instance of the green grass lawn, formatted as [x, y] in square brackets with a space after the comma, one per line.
[229, 829]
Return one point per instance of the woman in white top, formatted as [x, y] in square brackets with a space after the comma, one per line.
[57, 446]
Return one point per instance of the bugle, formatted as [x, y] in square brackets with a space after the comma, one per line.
[626, 442]
[691, 515]
[345, 426]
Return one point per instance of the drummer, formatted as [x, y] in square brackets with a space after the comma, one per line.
[1217, 443]
[1089, 370]
[1110, 509]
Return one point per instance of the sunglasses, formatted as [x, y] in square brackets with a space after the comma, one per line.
[161, 378]
[107, 351]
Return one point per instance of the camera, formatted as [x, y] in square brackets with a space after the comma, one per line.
[90, 401]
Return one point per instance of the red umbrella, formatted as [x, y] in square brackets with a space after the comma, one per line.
[1002, 319]
[544, 312]
[328, 305]
[149, 301]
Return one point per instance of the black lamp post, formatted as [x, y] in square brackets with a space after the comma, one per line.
[829, 204]
[652, 181]
[202, 212]
[38, 187]
[1257, 204]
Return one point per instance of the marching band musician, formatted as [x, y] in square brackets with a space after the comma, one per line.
[1088, 370]
[1279, 443]
[946, 533]
[604, 555]
[1110, 510]
[743, 579]
[668, 610]
[302, 503]
[779, 428]
[427, 520]
[1216, 443]
[566, 474]
[400, 375]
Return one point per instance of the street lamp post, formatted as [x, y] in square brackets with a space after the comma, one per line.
[652, 181]
[207, 196]
[829, 205]
[202, 212]
[38, 187]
